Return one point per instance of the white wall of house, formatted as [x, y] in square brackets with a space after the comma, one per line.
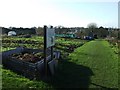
[12, 33]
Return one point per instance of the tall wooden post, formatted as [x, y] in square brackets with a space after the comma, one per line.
[48, 43]
[45, 50]
[51, 47]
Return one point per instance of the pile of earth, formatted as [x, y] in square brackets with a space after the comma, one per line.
[29, 57]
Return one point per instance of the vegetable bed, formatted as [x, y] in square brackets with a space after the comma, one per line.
[28, 62]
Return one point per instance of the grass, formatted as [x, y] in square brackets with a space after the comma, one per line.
[94, 65]
[101, 60]
[12, 80]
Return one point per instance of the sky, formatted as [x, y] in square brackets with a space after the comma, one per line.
[119, 14]
[67, 13]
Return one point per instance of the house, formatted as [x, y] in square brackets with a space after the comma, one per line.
[12, 33]
[1, 30]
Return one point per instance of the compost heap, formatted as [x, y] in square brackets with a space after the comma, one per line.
[29, 57]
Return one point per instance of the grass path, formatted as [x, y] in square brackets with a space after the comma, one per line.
[101, 59]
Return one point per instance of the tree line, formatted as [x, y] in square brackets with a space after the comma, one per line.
[80, 32]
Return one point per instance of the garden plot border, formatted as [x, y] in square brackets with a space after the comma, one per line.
[27, 69]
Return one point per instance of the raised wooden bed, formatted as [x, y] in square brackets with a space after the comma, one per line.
[26, 68]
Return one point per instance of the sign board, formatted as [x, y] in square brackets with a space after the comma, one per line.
[50, 35]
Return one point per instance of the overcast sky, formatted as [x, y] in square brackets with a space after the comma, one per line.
[68, 13]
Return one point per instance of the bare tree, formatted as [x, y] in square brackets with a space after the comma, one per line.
[92, 29]
[92, 25]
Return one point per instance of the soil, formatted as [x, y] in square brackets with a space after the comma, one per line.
[29, 57]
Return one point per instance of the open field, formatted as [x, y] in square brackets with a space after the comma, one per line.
[83, 64]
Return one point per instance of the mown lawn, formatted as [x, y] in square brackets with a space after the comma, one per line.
[101, 60]
[93, 65]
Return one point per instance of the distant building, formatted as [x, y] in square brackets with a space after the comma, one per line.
[12, 33]
[0, 30]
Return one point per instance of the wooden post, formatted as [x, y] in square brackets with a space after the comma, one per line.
[45, 50]
[51, 48]
[52, 53]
